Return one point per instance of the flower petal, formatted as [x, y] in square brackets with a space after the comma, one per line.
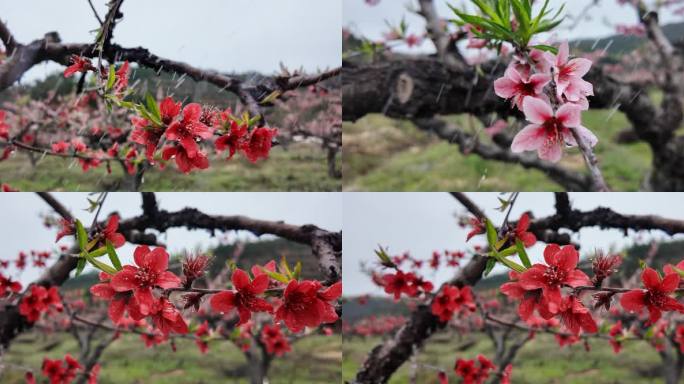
[529, 138]
[223, 301]
[633, 301]
[125, 280]
[504, 87]
[580, 66]
[651, 279]
[569, 115]
[240, 279]
[168, 280]
[536, 110]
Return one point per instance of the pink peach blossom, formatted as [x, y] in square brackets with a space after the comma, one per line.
[548, 131]
[516, 86]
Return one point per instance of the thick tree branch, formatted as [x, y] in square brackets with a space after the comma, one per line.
[470, 144]
[386, 358]
[326, 246]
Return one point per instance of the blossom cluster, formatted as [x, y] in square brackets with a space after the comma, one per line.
[64, 371]
[450, 300]
[38, 300]
[550, 91]
[275, 341]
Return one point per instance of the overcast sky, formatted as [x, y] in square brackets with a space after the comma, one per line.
[598, 22]
[22, 227]
[423, 222]
[234, 35]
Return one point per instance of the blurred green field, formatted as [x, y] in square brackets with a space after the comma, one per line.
[314, 359]
[539, 361]
[382, 154]
[302, 167]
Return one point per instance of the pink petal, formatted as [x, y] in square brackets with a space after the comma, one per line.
[529, 138]
[569, 115]
[580, 66]
[563, 53]
[536, 110]
[551, 151]
[539, 81]
[504, 88]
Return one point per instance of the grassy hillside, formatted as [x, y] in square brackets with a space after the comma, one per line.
[539, 361]
[382, 154]
[314, 359]
[300, 167]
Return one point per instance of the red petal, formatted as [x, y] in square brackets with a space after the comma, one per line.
[139, 254]
[259, 284]
[157, 260]
[116, 310]
[168, 280]
[550, 253]
[567, 258]
[533, 278]
[240, 279]
[223, 301]
[103, 290]
[523, 223]
[577, 278]
[125, 280]
[332, 292]
[117, 239]
[670, 283]
[633, 300]
[651, 279]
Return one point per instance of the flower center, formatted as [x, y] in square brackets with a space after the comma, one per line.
[554, 276]
[526, 88]
[145, 277]
[657, 299]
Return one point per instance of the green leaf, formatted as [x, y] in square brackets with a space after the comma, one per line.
[285, 267]
[491, 235]
[487, 10]
[80, 264]
[512, 250]
[491, 262]
[99, 265]
[271, 97]
[524, 259]
[81, 235]
[98, 252]
[680, 272]
[276, 276]
[384, 257]
[113, 257]
[152, 106]
[111, 77]
[511, 264]
[501, 242]
[297, 270]
[546, 48]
